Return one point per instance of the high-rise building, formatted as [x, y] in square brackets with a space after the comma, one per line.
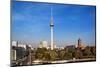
[14, 43]
[51, 27]
[79, 42]
[40, 45]
[22, 45]
[13, 55]
[43, 44]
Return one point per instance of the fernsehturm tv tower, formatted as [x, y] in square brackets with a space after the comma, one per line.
[51, 26]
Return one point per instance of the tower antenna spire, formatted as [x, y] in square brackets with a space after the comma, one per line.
[51, 13]
[51, 23]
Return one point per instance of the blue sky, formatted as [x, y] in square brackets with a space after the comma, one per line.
[31, 23]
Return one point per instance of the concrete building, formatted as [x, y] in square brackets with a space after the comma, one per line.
[80, 45]
[43, 44]
[22, 45]
[14, 43]
[13, 55]
[40, 45]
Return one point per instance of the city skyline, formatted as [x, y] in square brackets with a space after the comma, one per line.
[31, 20]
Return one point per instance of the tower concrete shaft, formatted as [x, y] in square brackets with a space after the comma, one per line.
[52, 46]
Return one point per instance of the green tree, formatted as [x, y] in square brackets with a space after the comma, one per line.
[78, 54]
[53, 55]
[46, 56]
[62, 55]
[40, 53]
[87, 52]
[93, 50]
